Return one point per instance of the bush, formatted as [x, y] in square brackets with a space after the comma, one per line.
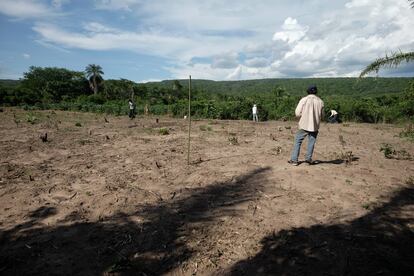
[164, 131]
[32, 119]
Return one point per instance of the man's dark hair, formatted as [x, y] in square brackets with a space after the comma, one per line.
[312, 89]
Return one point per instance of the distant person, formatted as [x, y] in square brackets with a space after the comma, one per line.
[254, 111]
[333, 118]
[146, 110]
[131, 109]
[310, 111]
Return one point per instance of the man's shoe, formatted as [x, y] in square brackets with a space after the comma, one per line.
[293, 163]
[310, 162]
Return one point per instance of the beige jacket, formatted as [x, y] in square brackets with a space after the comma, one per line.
[310, 111]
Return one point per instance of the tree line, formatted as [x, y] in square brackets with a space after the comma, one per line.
[364, 100]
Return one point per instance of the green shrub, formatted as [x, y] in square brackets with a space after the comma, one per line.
[388, 150]
[164, 131]
[408, 132]
[205, 128]
[30, 118]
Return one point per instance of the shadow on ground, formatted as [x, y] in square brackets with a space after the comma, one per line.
[161, 240]
[379, 243]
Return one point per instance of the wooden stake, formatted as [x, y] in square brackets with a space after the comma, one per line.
[189, 121]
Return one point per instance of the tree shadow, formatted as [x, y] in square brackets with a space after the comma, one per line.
[155, 244]
[378, 243]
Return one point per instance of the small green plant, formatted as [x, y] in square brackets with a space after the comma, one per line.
[403, 155]
[391, 153]
[342, 141]
[348, 157]
[30, 118]
[277, 150]
[408, 132]
[349, 182]
[366, 206]
[78, 124]
[84, 142]
[388, 150]
[205, 128]
[233, 140]
[164, 131]
[16, 120]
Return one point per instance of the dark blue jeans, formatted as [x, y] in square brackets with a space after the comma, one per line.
[300, 135]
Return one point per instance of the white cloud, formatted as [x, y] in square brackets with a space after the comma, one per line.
[228, 60]
[345, 44]
[116, 4]
[26, 56]
[292, 31]
[51, 46]
[25, 8]
[59, 3]
[358, 3]
[149, 80]
[235, 43]
[236, 74]
[106, 38]
[197, 71]
[257, 62]
[95, 27]
[179, 47]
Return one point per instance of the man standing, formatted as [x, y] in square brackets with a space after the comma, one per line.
[310, 111]
[254, 111]
[131, 109]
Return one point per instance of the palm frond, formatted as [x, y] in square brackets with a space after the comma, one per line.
[388, 61]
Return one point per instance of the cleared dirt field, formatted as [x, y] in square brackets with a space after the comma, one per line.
[111, 196]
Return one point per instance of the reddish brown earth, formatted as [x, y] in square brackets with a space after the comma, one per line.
[118, 198]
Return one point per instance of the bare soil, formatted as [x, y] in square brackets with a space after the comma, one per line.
[111, 196]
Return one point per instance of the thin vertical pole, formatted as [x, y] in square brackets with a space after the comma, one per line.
[189, 121]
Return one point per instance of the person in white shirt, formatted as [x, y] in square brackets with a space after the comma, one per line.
[254, 111]
[310, 111]
[333, 118]
[131, 109]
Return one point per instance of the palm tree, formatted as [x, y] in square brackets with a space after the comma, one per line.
[389, 61]
[93, 73]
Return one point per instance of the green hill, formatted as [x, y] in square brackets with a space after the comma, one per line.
[327, 86]
[9, 83]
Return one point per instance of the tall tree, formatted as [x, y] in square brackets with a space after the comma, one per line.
[389, 61]
[93, 73]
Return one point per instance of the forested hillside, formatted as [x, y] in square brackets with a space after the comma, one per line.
[366, 100]
[327, 86]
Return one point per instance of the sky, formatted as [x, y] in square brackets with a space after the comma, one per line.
[151, 40]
